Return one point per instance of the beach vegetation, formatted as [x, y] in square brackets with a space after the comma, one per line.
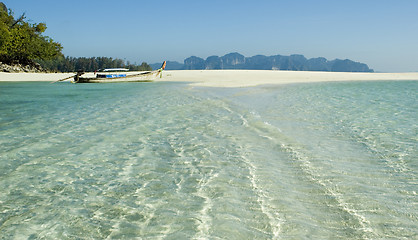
[91, 64]
[22, 42]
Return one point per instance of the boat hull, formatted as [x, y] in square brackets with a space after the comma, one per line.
[117, 77]
[143, 77]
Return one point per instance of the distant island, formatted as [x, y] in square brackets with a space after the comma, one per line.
[293, 62]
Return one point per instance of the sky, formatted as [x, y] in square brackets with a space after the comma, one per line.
[380, 33]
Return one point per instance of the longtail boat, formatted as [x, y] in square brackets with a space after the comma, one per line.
[107, 76]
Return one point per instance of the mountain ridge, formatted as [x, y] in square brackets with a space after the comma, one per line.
[294, 62]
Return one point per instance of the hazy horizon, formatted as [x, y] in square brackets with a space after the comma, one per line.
[381, 34]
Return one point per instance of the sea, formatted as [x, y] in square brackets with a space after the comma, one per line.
[168, 160]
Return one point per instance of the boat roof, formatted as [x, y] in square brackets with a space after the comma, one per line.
[114, 69]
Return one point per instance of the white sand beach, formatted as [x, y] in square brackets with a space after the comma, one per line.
[33, 77]
[235, 78]
[248, 78]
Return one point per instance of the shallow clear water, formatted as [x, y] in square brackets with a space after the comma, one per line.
[167, 161]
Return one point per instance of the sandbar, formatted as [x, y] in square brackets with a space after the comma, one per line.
[249, 78]
[235, 78]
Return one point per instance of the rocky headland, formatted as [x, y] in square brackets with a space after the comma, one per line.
[17, 68]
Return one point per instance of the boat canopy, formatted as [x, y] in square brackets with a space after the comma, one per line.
[114, 69]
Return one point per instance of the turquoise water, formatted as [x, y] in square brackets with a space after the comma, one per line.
[167, 161]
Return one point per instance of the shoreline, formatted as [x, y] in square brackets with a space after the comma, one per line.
[33, 77]
[250, 78]
[234, 78]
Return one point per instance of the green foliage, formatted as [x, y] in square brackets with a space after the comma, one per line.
[71, 64]
[4, 37]
[22, 42]
[40, 28]
[3, 7]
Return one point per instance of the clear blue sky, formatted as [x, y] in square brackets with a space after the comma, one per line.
[381, 33]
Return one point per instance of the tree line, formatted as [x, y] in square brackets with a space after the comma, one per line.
[91, 64]
[24, 43]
